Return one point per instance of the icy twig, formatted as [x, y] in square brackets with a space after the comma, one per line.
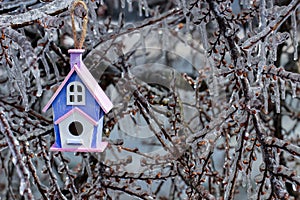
[281, 144]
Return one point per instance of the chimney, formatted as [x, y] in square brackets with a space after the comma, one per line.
[75, 56]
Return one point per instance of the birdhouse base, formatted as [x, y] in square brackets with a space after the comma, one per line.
[102, 147]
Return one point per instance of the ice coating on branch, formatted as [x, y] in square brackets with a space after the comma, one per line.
[35, 14]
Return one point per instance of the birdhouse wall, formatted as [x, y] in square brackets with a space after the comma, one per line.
[97, 134]
[91, 107]
[57, 136]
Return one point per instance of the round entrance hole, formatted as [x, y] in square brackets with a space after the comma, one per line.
[76, 128]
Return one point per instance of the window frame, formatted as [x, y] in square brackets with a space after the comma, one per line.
[75, 93]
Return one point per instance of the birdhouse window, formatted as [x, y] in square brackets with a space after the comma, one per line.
[75, 94]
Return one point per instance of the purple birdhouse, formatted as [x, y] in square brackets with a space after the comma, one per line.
[79, 105]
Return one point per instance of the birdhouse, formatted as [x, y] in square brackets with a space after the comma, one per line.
[79, 105]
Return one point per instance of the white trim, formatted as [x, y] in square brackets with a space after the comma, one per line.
[99, 132]
[74, 141]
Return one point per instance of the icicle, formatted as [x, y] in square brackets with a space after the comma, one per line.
[249, 186]
[251, 75]
[143, 44]
[244, 180]
[140, 8]
[294, 89]
[121, 20]
[20, 81]
[295, 38]
[46, 66]
[274, 48]
[262, 14]
[116, 4]
[36, 74]
[249, 56]
[185, 13]
[271, 4]
[276, 96]
[277, 39]
[266, 95]
[92, 6]
[204, 37]
[260, 66]
[282, 88]
[234, 97]
[123, 4]
[244, 4]
[165, 37]
[56, 72]
[129, 2]
[146, 8]
[23, 186]
[214, 88]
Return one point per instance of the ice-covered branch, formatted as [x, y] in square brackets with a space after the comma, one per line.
[281, 144]
[14, 147]
[280, 72]
[282, 15]
[287, 173]
[129, 190]
[214, 124]
[49, 170]
[269, 160]
[31, 60]
[31, 16]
